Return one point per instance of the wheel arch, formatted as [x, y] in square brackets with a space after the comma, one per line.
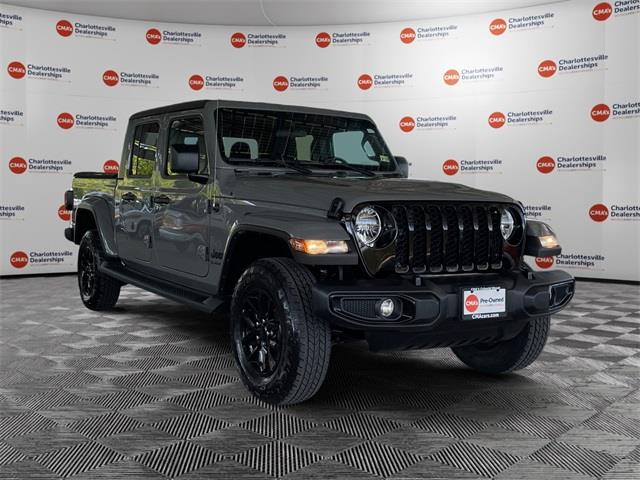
[96, 214]
[247, 244]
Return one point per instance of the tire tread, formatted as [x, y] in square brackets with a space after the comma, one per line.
[537, 335]
[314, 348]
[509, 355]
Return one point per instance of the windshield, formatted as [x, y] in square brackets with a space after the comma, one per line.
[268, 138]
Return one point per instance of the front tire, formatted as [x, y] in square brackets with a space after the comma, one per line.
[509, 355]
[97, 290]
[282, 350]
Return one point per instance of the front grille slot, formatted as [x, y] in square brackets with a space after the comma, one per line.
[435, 247]
[447, 238]
[419, 239]
[467, 247]
[403, 253]
[495, 238]
[451, 235]
[481, 227]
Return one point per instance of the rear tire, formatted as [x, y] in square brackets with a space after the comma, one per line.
[282, 350]
[97, 290]
[509, 355]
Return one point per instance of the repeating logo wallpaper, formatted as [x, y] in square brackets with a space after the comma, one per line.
[538, 103]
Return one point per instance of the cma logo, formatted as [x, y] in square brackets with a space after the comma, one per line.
[450, 167]
[599, 212]
[64, 214]
[16, 70]
[153, 36]
[544, 262]
[407, 35]
[547, 68]
[65, 120]
[365, 82]
[18, 165]
[238, 40]
[497, 120]
[323, 40]
[602, 11]
[110, 78]
[281, 83]
[600, 112]
[19, 259]
[472, 303]
[545, 164]
[196, 82]
[498, 26]
[451, 77]
[407, 124]
[110, 166]
[64, 28]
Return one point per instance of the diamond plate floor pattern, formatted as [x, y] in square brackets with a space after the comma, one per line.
[150, 390]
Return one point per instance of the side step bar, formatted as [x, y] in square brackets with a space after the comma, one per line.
[195, 300]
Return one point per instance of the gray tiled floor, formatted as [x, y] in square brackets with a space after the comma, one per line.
[150, 391]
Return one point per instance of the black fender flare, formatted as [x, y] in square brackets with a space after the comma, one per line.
[102, 213]
[237, 230]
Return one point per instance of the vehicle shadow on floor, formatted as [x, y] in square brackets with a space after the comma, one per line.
[357, 378]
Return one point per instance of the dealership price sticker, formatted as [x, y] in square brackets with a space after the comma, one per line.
[486, 302]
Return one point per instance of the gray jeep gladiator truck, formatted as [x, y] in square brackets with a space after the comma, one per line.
[304, 224]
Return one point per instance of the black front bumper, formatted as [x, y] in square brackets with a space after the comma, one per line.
[432, 307]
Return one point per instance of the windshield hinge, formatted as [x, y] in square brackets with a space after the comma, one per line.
[335, 210]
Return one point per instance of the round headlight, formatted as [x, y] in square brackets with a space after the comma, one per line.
[368, 226]
[507, 224]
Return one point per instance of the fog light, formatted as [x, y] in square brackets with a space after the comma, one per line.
[386, 307]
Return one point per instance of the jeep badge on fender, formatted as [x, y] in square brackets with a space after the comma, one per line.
[304, 224]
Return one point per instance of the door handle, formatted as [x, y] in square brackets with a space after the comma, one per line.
[129, 197]
[161, 200]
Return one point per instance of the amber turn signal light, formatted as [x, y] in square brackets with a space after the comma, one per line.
[318, 247]
[549, 241]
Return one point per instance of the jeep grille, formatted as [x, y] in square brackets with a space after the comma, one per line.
[435, 238]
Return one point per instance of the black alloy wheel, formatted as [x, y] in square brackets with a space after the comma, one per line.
[261, 334]
[86, 272]
[281, 348]
[97, 290]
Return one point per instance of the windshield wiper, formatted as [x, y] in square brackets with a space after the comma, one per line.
[295, 166]
[348, 166]
[274, 163]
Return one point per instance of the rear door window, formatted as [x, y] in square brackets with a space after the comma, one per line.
[188, 131]
[144, 150]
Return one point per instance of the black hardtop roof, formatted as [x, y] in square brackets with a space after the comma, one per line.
[200, 104]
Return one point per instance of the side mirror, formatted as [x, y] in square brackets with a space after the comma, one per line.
[185, 158]
[403, 166]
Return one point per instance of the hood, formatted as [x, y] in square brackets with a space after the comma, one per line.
[319, 192]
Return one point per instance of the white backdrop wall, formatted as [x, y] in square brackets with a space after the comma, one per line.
[540, 103]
